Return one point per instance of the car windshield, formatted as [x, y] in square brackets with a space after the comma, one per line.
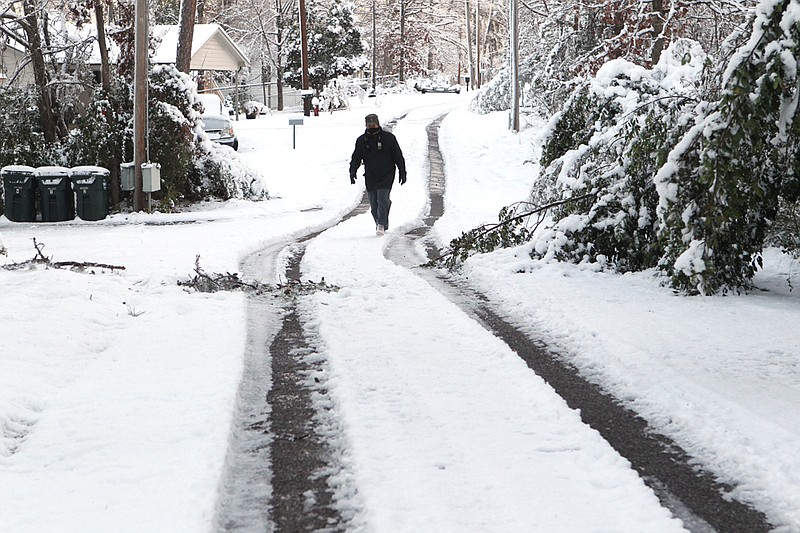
[213, 123]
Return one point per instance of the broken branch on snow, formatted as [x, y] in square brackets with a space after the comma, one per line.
[204, 282]
[41, 259]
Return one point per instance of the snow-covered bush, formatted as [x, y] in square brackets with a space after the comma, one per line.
[671, 168]
[602, 152]
[192, 167]
[723, 181]
[338, 92]
[21, 138]
[103, 132]
[171, 126]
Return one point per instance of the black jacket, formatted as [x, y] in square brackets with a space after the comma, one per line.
[379, 151]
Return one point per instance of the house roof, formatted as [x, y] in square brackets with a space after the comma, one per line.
[212, 48]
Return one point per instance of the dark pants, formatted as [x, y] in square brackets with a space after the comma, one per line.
[379, 205]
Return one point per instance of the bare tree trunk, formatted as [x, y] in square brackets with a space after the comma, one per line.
[185, 35]
[105, 68]
[41, 78]
[402, 41]
[478, 44]
[658, 28]
[280, 24]
[470, 59]
[105, 80]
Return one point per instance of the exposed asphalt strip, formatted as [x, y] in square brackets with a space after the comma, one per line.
[304, 459]
[689, 492]
[281, 459]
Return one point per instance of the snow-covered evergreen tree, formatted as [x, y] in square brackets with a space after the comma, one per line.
[602, 153]
[334, 44]
[722, 183]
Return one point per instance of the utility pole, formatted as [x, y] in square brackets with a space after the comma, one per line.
[478, 43]
[140, 101]
[304, 58]
[513, 27]
[471, 82]
[374, 41]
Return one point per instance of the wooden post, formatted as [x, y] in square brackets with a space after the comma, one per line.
[140, 101]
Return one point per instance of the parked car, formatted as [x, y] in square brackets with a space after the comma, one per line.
[212, 104]
[430, 87]
[220, 130]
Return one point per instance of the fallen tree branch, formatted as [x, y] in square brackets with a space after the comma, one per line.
[41, 259]
[458, 245]
[204, 282]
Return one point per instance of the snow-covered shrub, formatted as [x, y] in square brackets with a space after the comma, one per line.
[171, 127]
[102, 133]
[224, 174]
[192, 167]
[21, 138]
[495, 95]
[721, 186]
[655, 168]
[601, 154]
[338, 92]
[785, 231]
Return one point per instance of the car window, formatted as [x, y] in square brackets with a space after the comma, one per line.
[214, 123]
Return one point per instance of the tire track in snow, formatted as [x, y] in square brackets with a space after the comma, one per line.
[690, 493]
[280, 459]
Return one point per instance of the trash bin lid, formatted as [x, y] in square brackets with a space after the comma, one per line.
[17, 169]
[52, 171]
[89, 170]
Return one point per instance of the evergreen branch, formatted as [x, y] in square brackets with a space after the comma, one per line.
[469, 240]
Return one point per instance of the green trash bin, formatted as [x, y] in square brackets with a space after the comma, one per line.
[19, 187]
[91, 191]
[55, 194]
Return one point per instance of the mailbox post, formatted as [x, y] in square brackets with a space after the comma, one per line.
[294, 122]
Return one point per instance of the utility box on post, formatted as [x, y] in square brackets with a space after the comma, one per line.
[151, 177]
[19, 186]
[91, 191]
[55, 190]
[127, 178]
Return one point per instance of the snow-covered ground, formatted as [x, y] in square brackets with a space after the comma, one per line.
[117, 389]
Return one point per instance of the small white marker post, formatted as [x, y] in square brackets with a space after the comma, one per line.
[294, 122]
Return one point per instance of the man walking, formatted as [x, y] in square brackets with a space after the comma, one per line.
[380, 153]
